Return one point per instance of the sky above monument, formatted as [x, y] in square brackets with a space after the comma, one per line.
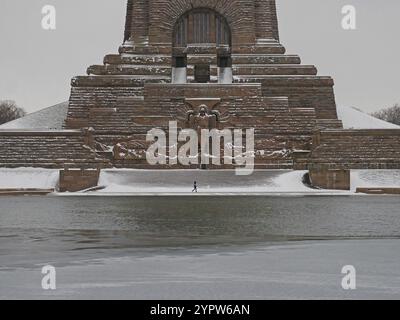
[37, 65]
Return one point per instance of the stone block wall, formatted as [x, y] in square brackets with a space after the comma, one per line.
[78, 180]
[330, 179]
[356, 149]
[304, 92]
[128, 20]
[266, 20]
[279, 129]
[151, 23]
[239, 14]
[102, 108]
[48, 149]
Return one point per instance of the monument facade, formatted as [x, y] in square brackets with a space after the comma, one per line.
[203, 64]
[221, 56]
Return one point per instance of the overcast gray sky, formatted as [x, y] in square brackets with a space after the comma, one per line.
[36, 65]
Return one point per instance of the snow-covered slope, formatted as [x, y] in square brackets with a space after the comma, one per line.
[51, 118]
[355, 119]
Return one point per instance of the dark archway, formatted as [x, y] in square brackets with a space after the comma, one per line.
[202, 26]
[197, 34]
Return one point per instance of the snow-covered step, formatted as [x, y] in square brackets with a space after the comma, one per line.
[148, 70]
[262, 69]
[138, 59]
[265, 59]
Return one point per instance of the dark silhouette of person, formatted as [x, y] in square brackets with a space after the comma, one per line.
[194, 187]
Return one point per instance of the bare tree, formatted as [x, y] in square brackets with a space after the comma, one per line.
[10, 111]
[391, 114]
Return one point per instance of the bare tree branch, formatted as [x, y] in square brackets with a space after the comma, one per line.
[391, 114]
[10, 111]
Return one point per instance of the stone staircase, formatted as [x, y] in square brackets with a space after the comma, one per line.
[272, 92]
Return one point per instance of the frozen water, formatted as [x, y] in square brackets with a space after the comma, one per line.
[200, 248]
[308, 270]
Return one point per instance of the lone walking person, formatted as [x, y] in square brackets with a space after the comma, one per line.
[194, 187]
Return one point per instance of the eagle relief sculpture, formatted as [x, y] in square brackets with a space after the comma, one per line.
[203, 118]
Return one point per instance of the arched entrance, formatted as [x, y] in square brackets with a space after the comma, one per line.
[205, 35]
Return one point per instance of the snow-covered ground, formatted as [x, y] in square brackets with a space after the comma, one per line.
[208, 182]
[375, 179]
[28, 178]
[180, 182]
[356, 119]
[226, 182]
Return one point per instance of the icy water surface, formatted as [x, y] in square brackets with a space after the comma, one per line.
[175, 240]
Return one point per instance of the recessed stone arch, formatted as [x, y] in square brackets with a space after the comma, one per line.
[238, 14]
[201, 26]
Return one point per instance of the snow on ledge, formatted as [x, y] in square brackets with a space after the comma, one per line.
[28, 178]
[375, 179]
